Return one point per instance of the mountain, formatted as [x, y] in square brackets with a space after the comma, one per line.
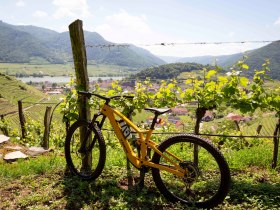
[17, 46]
[255, 59]
[170, 59]
[222, 60]
[24, 44]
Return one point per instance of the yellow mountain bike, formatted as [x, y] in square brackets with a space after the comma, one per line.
[200, 179]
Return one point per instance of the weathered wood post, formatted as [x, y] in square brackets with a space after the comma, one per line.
[21, 119]
[47, 121]
[80, 62]
[82, 80]
[200, 112]
[4, 129]
[276, 144]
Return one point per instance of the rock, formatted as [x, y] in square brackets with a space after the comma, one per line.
[35, 151]
[14, 156]
[3, 138]
[13, 148]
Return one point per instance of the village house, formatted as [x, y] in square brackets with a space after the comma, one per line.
[209, 116]
[179, 111]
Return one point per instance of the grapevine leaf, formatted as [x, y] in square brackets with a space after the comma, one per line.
[245, 66]
[210, 74]
[244, 81]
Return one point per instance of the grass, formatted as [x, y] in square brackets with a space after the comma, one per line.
[44, 183]
[63, 69]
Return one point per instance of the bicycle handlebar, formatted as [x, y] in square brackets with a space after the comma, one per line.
[107, 99]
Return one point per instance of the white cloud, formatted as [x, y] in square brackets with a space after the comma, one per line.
[103, 27]
[231, 34]
[101, 8]
[40, 14]
[277, 22]
[129, 22]
[20, 3]
[124, 27]
[71, 8]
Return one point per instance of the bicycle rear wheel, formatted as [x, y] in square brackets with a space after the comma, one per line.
[207, 178]
[87, 162]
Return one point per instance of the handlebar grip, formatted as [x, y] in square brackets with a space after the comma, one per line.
[129, 97]
[88, 94]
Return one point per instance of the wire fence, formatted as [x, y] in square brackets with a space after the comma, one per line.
[34, 113]
[256, 126]
[111, 45]
[260, 125]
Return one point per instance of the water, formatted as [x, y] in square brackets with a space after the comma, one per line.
[60, 79]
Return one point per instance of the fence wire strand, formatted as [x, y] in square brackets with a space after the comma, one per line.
[111, 45]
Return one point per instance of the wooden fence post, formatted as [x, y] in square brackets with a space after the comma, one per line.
[80, 62]
[4, 129]
[199, 113]
[276, 144]
[21, 119]
[47, 122]
[82, 80]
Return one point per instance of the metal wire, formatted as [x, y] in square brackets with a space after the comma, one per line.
[218, 135]
[181, 43]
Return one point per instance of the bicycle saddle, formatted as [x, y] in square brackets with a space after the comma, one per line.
[158, 111]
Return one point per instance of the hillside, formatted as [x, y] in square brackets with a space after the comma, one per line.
[17, 46]
[168, 71]
[255, 59]
[13, 90]
[258, 56]
[222, 60]
[25, 44]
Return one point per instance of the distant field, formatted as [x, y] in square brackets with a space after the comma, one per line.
[63, 69]
[188, 75]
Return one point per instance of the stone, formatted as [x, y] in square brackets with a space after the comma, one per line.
[3, 138]
[15, 155]
[13, 148]
[35, 151]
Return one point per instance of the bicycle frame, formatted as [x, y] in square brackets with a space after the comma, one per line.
[143, 141]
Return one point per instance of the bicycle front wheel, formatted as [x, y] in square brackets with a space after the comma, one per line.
[207, 176]
[85, 161]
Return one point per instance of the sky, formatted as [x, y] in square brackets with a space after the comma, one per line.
[147, 23]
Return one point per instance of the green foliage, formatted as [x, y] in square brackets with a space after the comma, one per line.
[236, 89]
[167, 71]
[69, 107]
[34, 133]
[207, 91]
